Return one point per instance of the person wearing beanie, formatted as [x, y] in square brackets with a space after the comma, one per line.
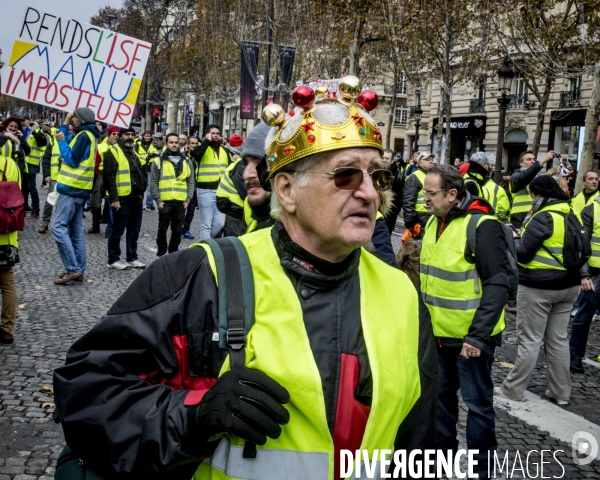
[211, 162]
[236, 140]
[479, 184]
[155, 150]
[74, 184]
[125, 181]
[546, 294]
[172, 184]
[322, 352]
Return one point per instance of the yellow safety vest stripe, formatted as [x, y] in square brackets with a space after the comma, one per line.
[212, 166]
[227, 188]
[420, 205]
[123, 174]
[171, 187]
[521, 201]
[579, 203]
[82, 176]
[594, 260]
[497, 198]
[9, 168]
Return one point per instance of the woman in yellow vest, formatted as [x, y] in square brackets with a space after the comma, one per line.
[9, 256]
[331, 358]
[172, 185]
[546, 294]
[19, 149]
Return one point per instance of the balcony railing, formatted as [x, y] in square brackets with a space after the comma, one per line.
[570, 99]
[477, 105]
[519, 102]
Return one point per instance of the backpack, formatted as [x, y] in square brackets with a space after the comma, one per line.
[576, 247]
[12, 205]
[511, 255]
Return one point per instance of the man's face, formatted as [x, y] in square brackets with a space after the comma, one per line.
[127, 139]
[590, 183]
[75, 123]
[387, 158]
[147, 137]
[456, 162]
[192, 143]
[99, 126]
[332, 222]
[528, 160]
[426, 163]
[173, 143]
[215, 135]
[486, 166]
[414, 157]
[438, 202]
[156, 141]
[256, 194]
[182, 141]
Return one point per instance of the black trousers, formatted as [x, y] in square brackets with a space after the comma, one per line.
[172, 215]
[189, 216]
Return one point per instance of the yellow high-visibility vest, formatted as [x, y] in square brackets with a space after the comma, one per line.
[170, 186]
[82, 176]
[420, 206]
[212, 166]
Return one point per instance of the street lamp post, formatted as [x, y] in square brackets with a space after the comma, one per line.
[505, 76]
[418, 113]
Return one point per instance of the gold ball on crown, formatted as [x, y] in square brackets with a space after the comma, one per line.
[273, 115]
[350, 87]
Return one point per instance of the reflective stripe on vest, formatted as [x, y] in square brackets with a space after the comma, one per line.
[212, 166]
[82, 176]
[142, 154]
[102, 149]
[249, 221]
[594, 260]
[543, 259]
[521, 201]
[450, 286]
[36, 152]
[123, 175]
[497, 198]
[7, 150]
[55, 161]
[227, 188]
[305, 448]
[169, 186]
[420, 205]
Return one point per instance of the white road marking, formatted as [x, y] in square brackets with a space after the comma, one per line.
[545, 415]
[593, 363]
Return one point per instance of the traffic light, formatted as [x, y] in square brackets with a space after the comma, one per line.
[156, 115]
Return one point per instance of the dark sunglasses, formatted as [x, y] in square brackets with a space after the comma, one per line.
[351, 178]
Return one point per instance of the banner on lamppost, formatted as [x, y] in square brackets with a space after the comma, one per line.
[66, 64]
[186, 118]
[286, 63]
[248, 80]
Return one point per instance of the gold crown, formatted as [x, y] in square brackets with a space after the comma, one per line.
[313, 136]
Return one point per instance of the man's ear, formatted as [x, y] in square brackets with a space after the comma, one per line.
[284, 189]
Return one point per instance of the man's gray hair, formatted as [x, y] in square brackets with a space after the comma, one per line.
[301, 178]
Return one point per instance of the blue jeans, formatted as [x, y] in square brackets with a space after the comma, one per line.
[474, 378]
[211, 220]
[67, 229]
[149, 199]
[129, 217]
[580, 328]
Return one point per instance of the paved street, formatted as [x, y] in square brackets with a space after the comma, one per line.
[52, 317]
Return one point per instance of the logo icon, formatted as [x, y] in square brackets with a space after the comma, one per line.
[585, 448]
[478, 123]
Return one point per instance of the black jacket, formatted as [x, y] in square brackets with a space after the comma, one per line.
[492, 267]
[139, 180]
[410, 193]
[518, 181]
[120, 396]
[540, 228]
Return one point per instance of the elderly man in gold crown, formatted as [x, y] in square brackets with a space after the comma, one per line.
[260, 357]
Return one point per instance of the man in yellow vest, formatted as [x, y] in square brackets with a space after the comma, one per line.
[331, 357]
[74, 184]
[230, 197]
[413, 204]
[521, 202]
[125, 181]
[212, 161]
[466, 302]
[37, 141]
[588, 194]
[479, 184]
[193, 205]
[9, 256]
[154, 150]
[172, 184]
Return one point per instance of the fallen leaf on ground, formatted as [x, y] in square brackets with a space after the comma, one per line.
[47, 389]
[507, 365]
[22, 306]
[89, 281]
[146, 234]
[48, 405]
[39, 287]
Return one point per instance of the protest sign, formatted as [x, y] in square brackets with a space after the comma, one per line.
[66, 64]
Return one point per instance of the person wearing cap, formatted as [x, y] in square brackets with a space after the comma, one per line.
[519, 185]
[546, 294]
[74, 184]
[172, 185]
[331, 359]
[155, 150]
[125, 181]
[478, 183]
[212, 160]
[466, 301]
[413, 203]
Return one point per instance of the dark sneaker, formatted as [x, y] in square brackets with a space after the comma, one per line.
[43, 228]
[94, 230]
[187, 235]
[576, 366]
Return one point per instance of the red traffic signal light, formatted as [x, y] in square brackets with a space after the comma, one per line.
[156, 112]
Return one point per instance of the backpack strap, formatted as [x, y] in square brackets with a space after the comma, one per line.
[236, 312]
[472, 237]
[564, 215]
[4, 171]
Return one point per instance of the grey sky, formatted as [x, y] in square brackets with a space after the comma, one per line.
[81, 10]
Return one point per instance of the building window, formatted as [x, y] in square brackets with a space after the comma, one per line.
[575, 84]
[400, 116]
[401, 90]
[417, 97]
[519, 93]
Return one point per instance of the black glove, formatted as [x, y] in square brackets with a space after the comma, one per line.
[246, 403]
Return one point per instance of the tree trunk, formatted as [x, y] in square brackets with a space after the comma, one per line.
[221, 116]
[174, 111]
[539, 126]
[440, 126]
[591, 125]
[354, 48]
[446, 159]
[393, 102]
